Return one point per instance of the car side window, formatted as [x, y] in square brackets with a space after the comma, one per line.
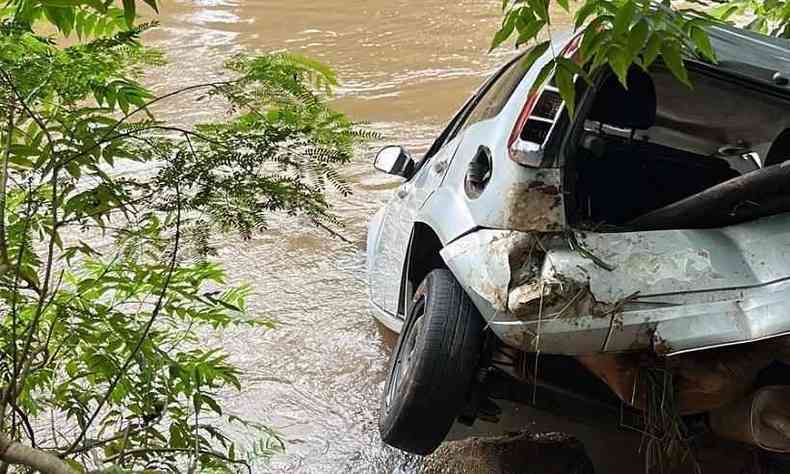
[486, 103]
[493, 99]
[448, 130]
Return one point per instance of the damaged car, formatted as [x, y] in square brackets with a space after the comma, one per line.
[643, 242]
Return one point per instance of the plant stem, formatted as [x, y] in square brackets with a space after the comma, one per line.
[143, 336]
[4, 263]
[137, 452]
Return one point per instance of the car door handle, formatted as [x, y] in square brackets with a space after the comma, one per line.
[402, 192]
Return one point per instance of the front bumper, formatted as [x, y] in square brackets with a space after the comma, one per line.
[668, 291]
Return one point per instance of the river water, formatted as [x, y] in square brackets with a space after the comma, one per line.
[405, 67]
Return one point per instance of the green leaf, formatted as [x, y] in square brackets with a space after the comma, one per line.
[55, 16]
[673, 57]
[123, 103]
[504, 32]
[564, 80]
[586, 11]
[61, 3]
[212, 404]
[541, 9]
[543, 75]
[530, 31]
[20, 162]
[152, 4]
[592, 41]
[620, 62]
[535, 54]
[624, 17]
[759, 24]
[77, 467]
[724, 11]
[73, 169]
[702, 42]
[129, 12]
[638, 38]
[652, 50]
[30, 275]
[564, 5]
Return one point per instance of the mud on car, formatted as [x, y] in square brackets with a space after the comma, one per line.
[649, 234]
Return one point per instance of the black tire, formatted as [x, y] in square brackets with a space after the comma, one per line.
[432, 367]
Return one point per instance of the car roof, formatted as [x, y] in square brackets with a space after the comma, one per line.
[750, 54]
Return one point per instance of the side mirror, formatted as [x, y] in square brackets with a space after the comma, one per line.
[394, 160]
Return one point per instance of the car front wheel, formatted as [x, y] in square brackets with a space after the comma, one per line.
[432, 367]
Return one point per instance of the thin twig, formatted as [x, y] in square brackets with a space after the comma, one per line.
[31, 434]
[537, 344]
[143, 335]
[616, 310]
[144, 451]
[123, 434]
[332, 232]
[3, 180]
[18, 379]
[5, 395]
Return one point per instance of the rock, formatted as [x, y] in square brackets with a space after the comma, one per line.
[518, 453]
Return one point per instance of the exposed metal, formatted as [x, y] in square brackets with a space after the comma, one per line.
[762, 420]
[669, 291]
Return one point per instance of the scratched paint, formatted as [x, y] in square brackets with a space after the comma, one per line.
[657, 291]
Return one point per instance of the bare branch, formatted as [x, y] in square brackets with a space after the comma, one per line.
[13, 452]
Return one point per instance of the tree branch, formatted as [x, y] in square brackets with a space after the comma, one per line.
[143, 335]
[4, 263]
[13, 452]
[218, 455]
[31, 434]
[6, 393]
[106, 137]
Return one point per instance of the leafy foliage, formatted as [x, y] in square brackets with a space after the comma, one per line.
[104, 284]
[771, 17]
[622, 33]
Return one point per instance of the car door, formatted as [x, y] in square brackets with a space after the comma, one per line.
[397, 220]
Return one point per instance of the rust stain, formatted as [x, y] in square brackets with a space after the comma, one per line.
[543, 187]
[536, 206]
[660, 345]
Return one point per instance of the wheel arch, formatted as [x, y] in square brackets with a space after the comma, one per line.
[422, 256]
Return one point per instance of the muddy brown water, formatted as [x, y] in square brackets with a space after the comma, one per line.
[405, 67]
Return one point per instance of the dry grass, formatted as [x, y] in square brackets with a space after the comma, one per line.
[666, 442]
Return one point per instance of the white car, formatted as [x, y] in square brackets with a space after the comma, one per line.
[652, 226]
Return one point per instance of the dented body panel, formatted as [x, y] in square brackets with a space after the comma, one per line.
[500, 201]
[542, 285]
[666, 291]
[436, 196]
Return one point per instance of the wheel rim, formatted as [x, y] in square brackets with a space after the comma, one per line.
[404, 361]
